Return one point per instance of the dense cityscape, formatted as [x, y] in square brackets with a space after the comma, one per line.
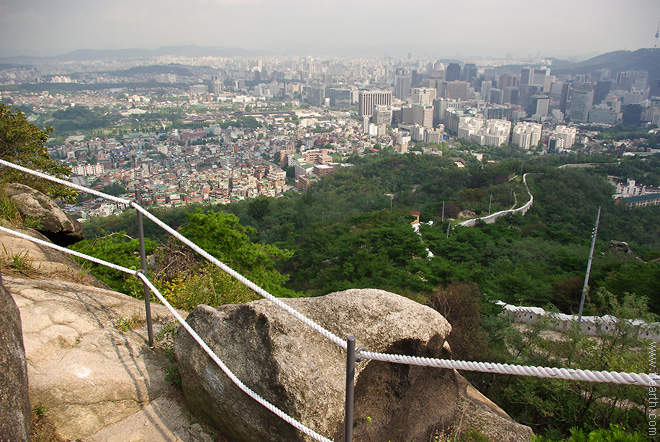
[213, 129]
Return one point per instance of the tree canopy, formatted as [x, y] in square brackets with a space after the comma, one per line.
[23, 143]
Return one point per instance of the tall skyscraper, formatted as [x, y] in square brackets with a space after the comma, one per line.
[539, 77]
[469, 72]
[453, 72]
[581, 102]
[368, 99]
[526, 76]
[402, 81]
[315, 94]
[422, 115]
[602, 89]
[559, 95]
[486, 86]
[527, 91]
[632, 114]
[506, 80]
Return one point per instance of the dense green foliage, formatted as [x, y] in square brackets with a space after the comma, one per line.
[554, 407]
[23, 143]
[184, 279]
[80, 118]
[117, 248]
[247, 122]
[644, 170]
[343, 233]
[221, 235]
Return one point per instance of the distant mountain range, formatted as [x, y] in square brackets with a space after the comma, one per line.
[641, 59]
[176, 51]
[617, 61]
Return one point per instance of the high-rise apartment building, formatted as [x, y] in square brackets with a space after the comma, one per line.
[368, 99]
[565, 134]
[526, 135]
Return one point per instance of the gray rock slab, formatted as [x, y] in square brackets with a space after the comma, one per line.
[89, 374]
[55, 224]
[303, 373]
[14, 393]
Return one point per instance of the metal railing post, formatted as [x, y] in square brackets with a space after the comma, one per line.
[350, 389]
[143, 260]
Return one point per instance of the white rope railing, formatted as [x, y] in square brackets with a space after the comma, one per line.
[519, 370]
[543, 372]
[293, 312]
[64, 182]
[247, 390]
[485, 367]
[324, 332]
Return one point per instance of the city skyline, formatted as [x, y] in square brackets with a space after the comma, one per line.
[475, 28]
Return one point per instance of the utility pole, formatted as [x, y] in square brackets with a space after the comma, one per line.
[490, 203]
[443, 211]
[591, 258]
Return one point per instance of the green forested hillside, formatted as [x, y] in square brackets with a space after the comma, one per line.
[352, 229]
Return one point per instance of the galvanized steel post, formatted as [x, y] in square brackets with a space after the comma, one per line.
[143, 260]
[350, 388]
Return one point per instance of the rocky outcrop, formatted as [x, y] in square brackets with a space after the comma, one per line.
[620, 246]
[56, 225]
[14, 399]
[88, 361]
[303, 373]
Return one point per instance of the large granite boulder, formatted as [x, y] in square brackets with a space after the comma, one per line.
[14, 399]
[303, 373]
[56, 225]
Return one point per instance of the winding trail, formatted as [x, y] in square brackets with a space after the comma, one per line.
[490, 219]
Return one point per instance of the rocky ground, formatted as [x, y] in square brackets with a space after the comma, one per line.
[89, 364]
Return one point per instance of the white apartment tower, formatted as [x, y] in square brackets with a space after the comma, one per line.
[526, 135]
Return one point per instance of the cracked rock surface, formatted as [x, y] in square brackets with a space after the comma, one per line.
[97, 380]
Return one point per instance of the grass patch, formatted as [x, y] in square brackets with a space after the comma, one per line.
[165, 341]
[42, 428]
[80, 276]
[126, 323]
[16, 263]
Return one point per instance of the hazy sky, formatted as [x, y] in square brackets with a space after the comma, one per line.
[435, 27]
